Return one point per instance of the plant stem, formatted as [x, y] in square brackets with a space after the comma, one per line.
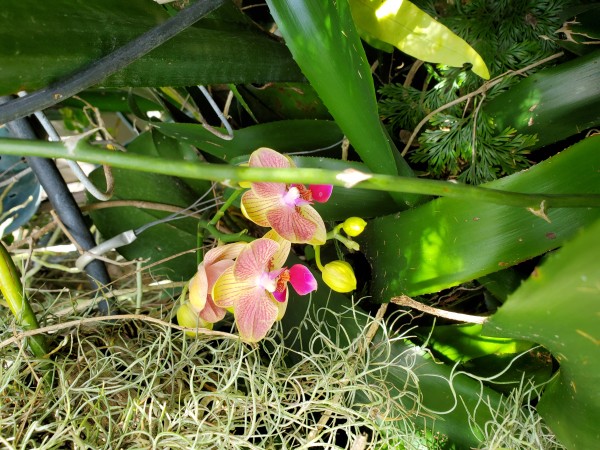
[83, 151]
[13, 293]
[349, 243]
[225, 206]
[318, 257]
[404, 300]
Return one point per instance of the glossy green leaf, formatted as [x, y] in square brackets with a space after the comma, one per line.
[501, 284]
[554, 103]
[405, 26]
[449, 241]
[461, 343]
[559, 307]
[324, 42]
[41, 42]
[279, 101]
[581, 31]
[110, 100]
[157, 242]
[155, 143]
[507, 371]
[283, 136]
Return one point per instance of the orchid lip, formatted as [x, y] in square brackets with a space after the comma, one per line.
[290, 198]
[267, 282]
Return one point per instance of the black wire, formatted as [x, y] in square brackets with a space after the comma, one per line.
[107, 65]
[66, 207]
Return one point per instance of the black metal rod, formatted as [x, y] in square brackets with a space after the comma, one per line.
[66, 208]
[107, 65]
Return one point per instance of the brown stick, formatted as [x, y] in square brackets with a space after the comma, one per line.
[405, 300]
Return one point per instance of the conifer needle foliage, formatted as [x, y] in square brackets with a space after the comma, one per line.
[462, 141]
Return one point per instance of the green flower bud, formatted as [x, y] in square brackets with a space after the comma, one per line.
[339, 276]
[353, 226]
[188, 317]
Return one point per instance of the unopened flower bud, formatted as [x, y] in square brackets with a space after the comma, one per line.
[188, 317]
[353, 226]
[339, 276]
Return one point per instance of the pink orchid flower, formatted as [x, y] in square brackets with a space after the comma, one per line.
[215, 262]
[255, 287]
[285, 208]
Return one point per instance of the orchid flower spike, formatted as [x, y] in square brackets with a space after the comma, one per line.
[255, 287]
[285, 207]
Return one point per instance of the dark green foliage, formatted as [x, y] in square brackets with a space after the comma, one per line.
[481, 155]
[509, 35]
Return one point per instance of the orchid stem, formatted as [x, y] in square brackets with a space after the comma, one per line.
[225, 206]
[84, 151]
[349, 243]
[318, 257]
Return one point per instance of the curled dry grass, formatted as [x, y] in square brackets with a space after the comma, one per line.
[141, 383]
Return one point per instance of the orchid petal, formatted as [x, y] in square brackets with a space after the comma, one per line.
[228, 251]
[255, 259]
[320, 235]
[265, 157]
[321, 192]
[291, 224]
[198, 289]
[255, 208]
[227, 290]
[255, 315]
[302, 280]
[281, 255]
[215, 270]
[281, 307]
[268, 189]
[211, 313]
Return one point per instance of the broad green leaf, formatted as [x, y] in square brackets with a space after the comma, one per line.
[449, 241]
[109, 100]
[157, 242]
[581, 30]
[559, 307]
[155, 143]
[41, 42]
[461, 343]
[554, 103]
[284, 136]
[280, 101]
[510, 371]
[324, 42]
[405, 26]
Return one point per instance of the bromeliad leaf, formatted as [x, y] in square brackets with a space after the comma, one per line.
[558, 307]
[403, 25]
[324, 42]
